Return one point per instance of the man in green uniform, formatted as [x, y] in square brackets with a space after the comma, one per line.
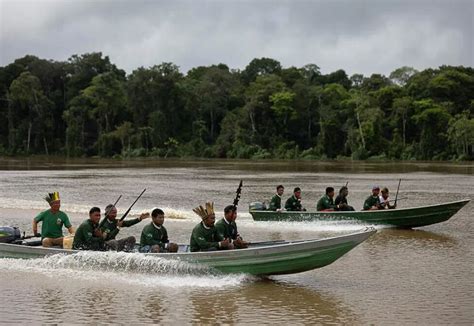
[373, 202]
[205, 236]
[88, 235]
[326, 202]
[110, 227]
[154, 236]
[294, 202]
[53, 220]
[341, 200]
[227, 228]
[275, 202]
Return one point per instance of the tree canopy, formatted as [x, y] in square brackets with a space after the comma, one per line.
[87, 106]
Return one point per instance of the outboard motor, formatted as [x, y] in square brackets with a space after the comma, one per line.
[9, 234]
[257, 206]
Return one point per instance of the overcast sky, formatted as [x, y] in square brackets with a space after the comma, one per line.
[372, 36]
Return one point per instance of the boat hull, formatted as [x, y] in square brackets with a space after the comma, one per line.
[280, 258]
[403, 218]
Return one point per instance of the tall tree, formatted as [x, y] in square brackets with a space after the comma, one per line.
[107, 95]
[260, 67]
[263, 127]
[401, 75]
[32, 112]
[432, 120]
[461, 135]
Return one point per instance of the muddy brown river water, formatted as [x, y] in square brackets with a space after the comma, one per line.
[397, 277]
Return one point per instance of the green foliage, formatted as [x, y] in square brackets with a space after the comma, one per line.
[282, 106]
[29, 116]
[461, 135]
[87, 106]
[287, 150]
[171, 146]
[433, 121]
[260, 67]
[242, 150]
[401, 75]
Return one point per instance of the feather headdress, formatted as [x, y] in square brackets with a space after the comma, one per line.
[205, 212]
[52, 197]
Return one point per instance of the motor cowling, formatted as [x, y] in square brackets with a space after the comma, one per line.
[9, 234]
[257, 206]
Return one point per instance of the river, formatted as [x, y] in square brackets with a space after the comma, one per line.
[421, 276]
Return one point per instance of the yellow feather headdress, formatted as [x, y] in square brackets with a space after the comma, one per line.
[204, 212]
[52, 196]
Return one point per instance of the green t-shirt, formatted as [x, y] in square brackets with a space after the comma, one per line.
[52, 224]
[227, 230]
[371, 201]
[325, 202]
[275, 203]
[204, 238]
[152, 235]
[85, 238]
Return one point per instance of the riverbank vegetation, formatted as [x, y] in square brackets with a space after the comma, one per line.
[87, 106]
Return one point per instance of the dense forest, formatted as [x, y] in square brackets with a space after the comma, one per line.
[87, 106]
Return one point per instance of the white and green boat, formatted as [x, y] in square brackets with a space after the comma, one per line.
[402, 218]
[265, 258]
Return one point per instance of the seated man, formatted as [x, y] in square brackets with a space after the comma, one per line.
[275, 202]
[227, 228]
[88, 235]
[110, 227]
[372, 202]
[294, 202]
[341, 200]
[384, 201]
[205, 236]
[326, 202]
[53, 220]
[154, 236]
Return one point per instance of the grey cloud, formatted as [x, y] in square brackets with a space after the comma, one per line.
[358, 36]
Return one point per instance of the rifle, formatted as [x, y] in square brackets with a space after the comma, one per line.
[24, 237]
[128, 210]
[237, 196]
[402, 198]
[101, 224]
[398, 188]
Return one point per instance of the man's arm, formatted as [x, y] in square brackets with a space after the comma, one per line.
[35, 227]
[165, 236]
[37, 219]
[67, 224]
[367, 205]
[91, 237]
[289, 204]
[220, 230]
[273, 204]
[134, 221]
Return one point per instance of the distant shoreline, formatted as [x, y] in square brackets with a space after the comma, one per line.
[54, 162]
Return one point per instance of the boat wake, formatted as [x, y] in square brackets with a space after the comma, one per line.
[126, 268]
